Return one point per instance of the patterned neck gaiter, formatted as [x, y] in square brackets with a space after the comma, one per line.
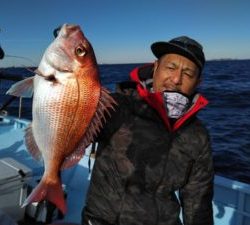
[176, 104]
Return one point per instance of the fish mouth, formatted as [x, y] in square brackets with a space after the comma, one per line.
[68, 29]
[57, 55]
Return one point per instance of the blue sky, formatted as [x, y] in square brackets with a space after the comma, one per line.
[122, 31]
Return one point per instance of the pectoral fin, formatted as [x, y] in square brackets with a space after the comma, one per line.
[23, 88]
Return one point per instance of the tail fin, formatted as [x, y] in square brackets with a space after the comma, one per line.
[51, 192]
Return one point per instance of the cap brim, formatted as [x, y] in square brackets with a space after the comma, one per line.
[161, 48]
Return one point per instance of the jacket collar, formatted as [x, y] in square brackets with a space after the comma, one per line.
[155, 100]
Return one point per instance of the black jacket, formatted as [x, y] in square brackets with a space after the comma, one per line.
[142, 162]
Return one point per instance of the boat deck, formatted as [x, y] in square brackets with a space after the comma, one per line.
[231, 203]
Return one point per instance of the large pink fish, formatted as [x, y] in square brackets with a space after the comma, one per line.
[68, 110]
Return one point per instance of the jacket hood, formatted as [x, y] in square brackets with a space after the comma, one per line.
[143, 75]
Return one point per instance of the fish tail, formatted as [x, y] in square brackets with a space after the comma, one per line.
[51, 192]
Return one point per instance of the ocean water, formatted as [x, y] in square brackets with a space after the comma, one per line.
[226, 84]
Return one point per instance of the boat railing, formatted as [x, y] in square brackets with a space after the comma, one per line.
[11, 99]
[231, 201]
[3, 108]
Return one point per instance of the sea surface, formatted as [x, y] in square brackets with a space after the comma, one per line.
[226, 84]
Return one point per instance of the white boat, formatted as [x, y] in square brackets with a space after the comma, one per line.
[231, 204]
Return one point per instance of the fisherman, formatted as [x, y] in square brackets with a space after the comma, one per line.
[154, 156]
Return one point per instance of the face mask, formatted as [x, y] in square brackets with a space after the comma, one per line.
[175, 103]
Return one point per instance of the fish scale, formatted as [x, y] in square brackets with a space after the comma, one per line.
[51, 117]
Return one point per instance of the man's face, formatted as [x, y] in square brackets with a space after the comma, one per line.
[174, 72]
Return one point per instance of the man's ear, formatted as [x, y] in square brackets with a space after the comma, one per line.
[156, 64]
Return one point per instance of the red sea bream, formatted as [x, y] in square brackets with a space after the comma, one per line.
[68, 109]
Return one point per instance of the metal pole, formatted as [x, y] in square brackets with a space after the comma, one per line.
[20, 107]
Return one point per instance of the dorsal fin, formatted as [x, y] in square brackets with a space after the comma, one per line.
[105, 103]
[31, 144]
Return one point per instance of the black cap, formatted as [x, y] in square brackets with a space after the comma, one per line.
[184, 46]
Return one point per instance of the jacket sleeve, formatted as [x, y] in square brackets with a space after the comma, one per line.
[114, 118]
[196, 196]
[123, 108]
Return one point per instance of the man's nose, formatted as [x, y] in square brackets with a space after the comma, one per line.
[177, 77]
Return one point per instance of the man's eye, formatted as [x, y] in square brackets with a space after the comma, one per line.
[170, 68]
[189, 74]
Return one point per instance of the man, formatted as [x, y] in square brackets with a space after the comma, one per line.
[154, 148]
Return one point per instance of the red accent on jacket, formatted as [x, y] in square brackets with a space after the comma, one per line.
[155, 100]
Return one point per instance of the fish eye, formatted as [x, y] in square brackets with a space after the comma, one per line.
[80, 51]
